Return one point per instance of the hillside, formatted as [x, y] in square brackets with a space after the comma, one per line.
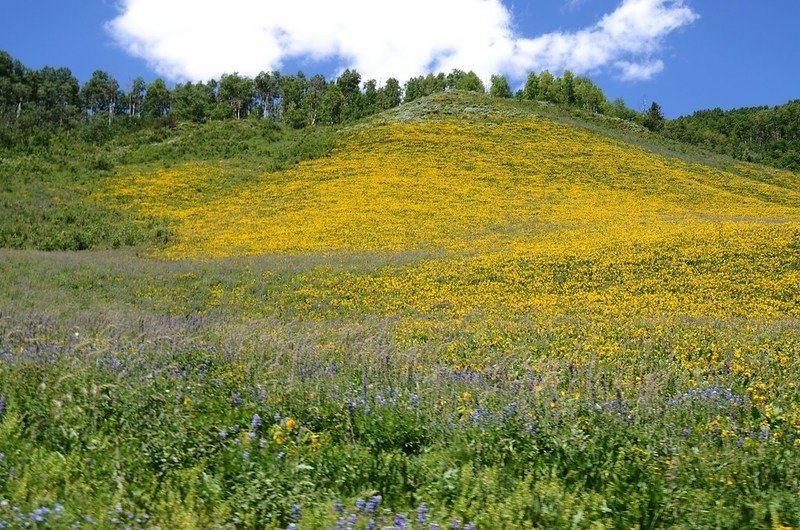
[430, 176]
[768, 135]
[461, 309]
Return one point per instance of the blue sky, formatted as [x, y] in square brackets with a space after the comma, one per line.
[687, 55]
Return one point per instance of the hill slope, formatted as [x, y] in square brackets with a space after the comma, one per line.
[488, 177]
[469, 310]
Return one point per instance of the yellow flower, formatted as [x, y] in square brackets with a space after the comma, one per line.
[279, 437]
[290, 424]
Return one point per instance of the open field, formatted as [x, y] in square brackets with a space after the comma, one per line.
[467, 310]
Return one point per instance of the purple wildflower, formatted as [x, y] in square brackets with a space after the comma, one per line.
[422, 513]
[373, 503]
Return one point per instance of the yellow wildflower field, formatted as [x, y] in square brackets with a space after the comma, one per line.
[460, 184]
[522, 238]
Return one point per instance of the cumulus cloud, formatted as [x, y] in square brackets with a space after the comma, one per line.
[201, 39]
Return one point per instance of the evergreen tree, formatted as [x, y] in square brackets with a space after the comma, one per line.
[654, 119]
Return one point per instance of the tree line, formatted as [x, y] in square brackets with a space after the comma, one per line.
[38, 103]
[768, 135]
[41, 101]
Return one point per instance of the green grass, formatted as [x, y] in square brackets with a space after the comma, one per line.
[129, 386]
[45, 196]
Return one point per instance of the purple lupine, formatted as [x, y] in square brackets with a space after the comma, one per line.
[422, 513]
[400, 521]
[255, 423]
[373, 503]
[295, 512]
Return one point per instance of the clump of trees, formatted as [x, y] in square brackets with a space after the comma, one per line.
[769, 135]
[41, 101]
[37, 103]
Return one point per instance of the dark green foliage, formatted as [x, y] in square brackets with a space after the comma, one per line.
[237, 93]
[468, 81]
[157, 101]
[193, 102]
[769, 135]
[546, 87]
[418, 87]
[500, 87]
[531, 90]
[567, 89]
[654, 119]
[390, 95]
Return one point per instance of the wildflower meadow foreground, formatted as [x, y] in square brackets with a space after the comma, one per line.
[468, 314]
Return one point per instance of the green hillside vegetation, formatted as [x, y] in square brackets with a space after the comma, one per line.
[463, 310]
[768, 135]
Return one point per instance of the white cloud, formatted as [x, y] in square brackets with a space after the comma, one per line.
[201, 39]
[638, 71]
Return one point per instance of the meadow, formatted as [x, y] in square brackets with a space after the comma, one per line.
[460, 313]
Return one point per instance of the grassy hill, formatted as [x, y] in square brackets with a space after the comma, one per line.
[462, 309]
